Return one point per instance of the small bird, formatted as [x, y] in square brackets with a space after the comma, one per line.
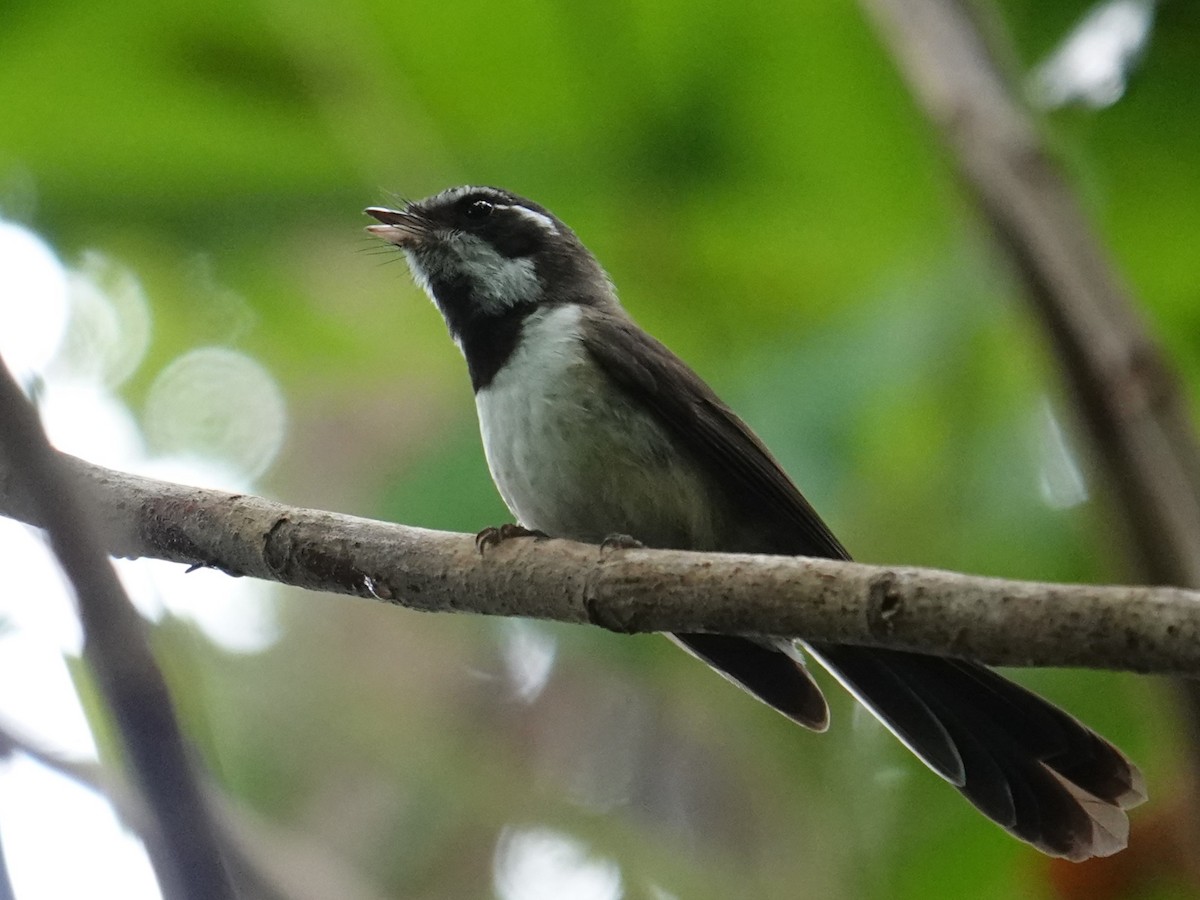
[593, 429]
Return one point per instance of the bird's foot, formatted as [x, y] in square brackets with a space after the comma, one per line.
[493, 535]
[620, 542]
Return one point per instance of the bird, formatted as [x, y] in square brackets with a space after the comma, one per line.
[594, 431]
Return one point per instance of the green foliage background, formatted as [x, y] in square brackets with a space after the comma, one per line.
[761, 188]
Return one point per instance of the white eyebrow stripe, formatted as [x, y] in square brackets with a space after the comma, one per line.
[451, 194]
[541, 219]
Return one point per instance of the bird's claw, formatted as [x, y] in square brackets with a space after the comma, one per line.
[620, 542]
[493, 535]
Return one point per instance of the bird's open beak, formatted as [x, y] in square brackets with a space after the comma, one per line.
[400, 228]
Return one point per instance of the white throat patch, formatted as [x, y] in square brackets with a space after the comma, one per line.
[499, 282]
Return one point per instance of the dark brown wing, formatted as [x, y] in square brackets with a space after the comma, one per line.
[1027, 765]
[768, 504]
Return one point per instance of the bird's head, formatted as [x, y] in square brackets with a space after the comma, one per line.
[483, 253]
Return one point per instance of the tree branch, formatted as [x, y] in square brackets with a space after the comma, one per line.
[987, 619]
[182, 843]
[1127, 395]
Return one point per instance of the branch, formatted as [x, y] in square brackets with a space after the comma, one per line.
[269, 863]
[992, 620]
[183, 848]
[1126, 394]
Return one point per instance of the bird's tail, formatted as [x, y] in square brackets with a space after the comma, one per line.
[770, 672]
[1024, 763]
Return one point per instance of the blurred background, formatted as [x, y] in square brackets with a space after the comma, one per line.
[186, 288]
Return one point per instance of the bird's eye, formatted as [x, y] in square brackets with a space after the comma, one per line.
[480, 209]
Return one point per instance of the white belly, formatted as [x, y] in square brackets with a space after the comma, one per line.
[573, 459]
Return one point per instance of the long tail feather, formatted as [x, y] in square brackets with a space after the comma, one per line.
[1027, 765]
